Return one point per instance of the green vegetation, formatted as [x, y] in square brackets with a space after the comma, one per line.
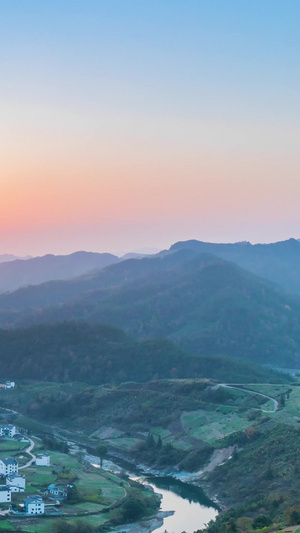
[202, 303]
[103, 354]
[186, 424]
[99, 496]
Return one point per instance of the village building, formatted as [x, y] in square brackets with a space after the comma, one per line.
[34, 505]
[58, 491]
[7, 430]
[8, 466]
[5, 494]
[9, 384]
[16, 482]
[42, 459]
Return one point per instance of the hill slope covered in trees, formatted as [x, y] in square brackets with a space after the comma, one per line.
[97, 354]
[202, 303]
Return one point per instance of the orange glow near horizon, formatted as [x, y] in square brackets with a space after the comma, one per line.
[126, 193]
[131, 124]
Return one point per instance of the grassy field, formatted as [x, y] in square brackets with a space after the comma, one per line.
[45, 525]
[97, 489]
[210, 427]
[12, 445]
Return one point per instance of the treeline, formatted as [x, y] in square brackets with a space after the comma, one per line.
[154, 452]
[94, 354]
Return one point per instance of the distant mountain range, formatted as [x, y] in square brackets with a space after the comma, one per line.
[191, 294]
[206, 305]
[278, 262]
[9, 257]
[17, 273]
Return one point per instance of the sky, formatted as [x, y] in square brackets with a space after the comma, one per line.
[131, 124]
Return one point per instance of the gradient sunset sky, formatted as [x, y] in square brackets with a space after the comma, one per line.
[128, 124]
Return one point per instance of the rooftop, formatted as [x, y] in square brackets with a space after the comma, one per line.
[14, 476]
[33, 499]
[9, 461]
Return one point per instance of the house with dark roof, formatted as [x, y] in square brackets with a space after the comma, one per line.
[8, 466]
[34, 505]
[16, 482]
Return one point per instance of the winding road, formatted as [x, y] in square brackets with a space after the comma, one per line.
[28, 450]
[249, 391]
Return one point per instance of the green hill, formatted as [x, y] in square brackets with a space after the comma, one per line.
[76, 351]
[202, 303]
[205, 305]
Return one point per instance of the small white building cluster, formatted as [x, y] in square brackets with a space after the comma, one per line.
[8, 385]
[58, 491]
[14, 482]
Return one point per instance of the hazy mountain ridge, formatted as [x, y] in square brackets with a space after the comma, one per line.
[18, 273]
[5, 258]
[278, 262]
[205, 304]
[60, 291]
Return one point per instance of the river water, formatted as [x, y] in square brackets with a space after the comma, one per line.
[192, 509]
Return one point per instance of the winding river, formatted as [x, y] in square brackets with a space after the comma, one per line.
[191, 508]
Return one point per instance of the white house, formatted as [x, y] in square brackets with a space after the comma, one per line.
[5, 494]
[59, 491]
[9, 384]
[8, 466]
[42, 459]
[16, 482]
[7, 430]
[34, 505]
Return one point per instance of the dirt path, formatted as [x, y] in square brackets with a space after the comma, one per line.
[33, 457]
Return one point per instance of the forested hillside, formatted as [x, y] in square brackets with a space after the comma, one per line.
[96, 354]
[204, 304]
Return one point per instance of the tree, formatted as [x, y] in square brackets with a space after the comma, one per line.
[159, 443]
[281, 400]
[101, 452]
[261, 521]
[73, 496]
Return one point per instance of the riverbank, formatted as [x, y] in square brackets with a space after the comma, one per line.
[194, 479]
[145, 526]
[184, 507]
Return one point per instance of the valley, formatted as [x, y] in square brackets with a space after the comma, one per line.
[166, 365]
[211, 433]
